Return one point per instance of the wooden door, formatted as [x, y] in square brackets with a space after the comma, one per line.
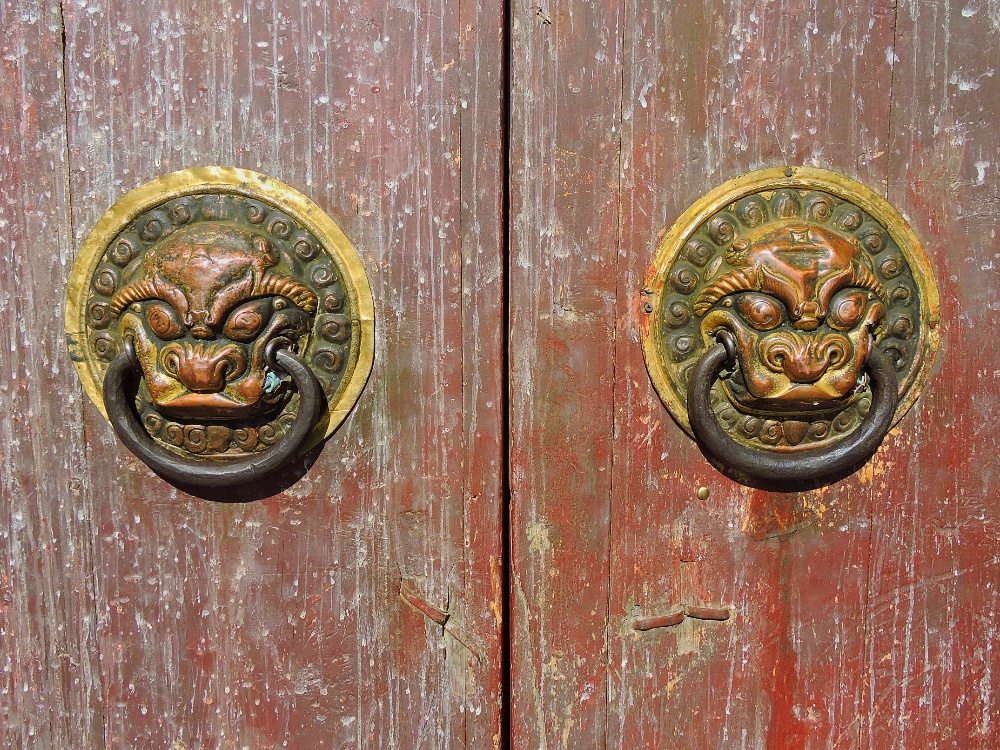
[135, 615]
[358, 600]
[862, 614]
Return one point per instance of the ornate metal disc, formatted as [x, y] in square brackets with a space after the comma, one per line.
[807, 269]
[204, 268]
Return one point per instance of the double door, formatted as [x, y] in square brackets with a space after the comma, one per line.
[464, 562]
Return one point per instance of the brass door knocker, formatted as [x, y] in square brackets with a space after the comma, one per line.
[792, 319]
[222, 322]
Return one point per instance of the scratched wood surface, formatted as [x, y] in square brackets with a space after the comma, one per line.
[862, 614]
[564, 225]
[136, 615]
[726, 89]
[932, 659]
[50, 682]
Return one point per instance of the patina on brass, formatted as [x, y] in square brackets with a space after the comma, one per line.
[807, 270]
[203, 269]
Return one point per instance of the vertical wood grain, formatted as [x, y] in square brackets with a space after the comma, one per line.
[713, 91]
[564, 230]
[863, 613]
[50, 688]
[279, 621]
[932, 661]
[479, 603]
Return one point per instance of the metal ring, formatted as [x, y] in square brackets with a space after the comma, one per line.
[726, 338]
[800, 465]
[120, 382]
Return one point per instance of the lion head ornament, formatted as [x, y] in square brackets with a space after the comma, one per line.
[202, 313]
[791, 313]
[804, 309]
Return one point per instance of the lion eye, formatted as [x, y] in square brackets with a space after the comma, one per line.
[763, 313]
[164, 321]
[846, 310]
[246, 321]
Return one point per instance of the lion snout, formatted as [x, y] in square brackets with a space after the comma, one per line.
[203, 368]
[804, 359]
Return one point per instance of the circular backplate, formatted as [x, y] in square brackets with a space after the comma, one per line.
[273, 259]
[711, 271]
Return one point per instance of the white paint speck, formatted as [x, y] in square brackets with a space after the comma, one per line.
[642, 95]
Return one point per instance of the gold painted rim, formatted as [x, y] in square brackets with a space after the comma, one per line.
[775, 178]
[233, 181]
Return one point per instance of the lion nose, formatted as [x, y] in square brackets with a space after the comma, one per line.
[203, 369]
[804, 358]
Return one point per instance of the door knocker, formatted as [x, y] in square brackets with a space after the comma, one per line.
[791, 320]
[221, 322]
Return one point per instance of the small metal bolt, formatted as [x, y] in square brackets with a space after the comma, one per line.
[789, 171]
[648, 307]
[703, 493]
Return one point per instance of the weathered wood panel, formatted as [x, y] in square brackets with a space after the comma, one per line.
[279, 622]
[855, 607]
[932, 657]
[713, 91]
[564, 231]
[479, 603]
[50, 692]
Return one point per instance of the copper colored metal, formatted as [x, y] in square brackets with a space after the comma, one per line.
[806, 274]
[202, 271]
[801, 465]
[660, 621]
[119, 399]
[719, 614]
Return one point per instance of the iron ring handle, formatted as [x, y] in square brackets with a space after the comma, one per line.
[119, 383]
[802, 465]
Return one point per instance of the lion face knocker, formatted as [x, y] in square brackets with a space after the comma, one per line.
[205, 308]
[222, 322]
[804, 309]
[791, 319]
